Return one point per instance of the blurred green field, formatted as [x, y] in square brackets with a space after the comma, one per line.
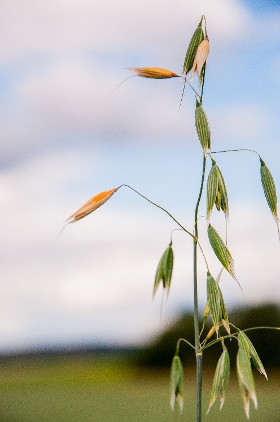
[81, 389]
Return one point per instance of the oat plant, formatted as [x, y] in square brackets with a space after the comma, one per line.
[193, 75]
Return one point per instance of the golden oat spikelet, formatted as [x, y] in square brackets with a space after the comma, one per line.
[91, 205]
[153, 72]
[200, 58]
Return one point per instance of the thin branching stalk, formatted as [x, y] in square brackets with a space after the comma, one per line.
[185, 341]
[262, 328]
[217, 341]
[163, 209]
[235, 150]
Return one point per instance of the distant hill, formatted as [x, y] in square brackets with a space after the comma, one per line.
[267, 342]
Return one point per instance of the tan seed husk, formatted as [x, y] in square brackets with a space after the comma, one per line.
[200, 57]
[91, 205]
[153, 72]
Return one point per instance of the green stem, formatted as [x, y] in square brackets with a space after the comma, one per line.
[196, 318]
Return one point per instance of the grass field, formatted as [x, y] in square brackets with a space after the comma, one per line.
[84, 389]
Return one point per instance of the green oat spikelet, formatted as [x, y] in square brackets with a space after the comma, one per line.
[177, 383]
[246, 380]
[202, 128]
[196, 40]
[213, 300]
[269, 191]
[212, 189]
[249, 348]
[216, 191]
[164, 270]
[216, 304]
[221, 251]
[221, 379]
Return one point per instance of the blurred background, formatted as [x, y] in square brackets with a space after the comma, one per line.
[77, 320]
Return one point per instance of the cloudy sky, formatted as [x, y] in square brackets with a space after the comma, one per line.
[67, 134]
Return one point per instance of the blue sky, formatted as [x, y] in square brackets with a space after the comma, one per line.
[67, 134]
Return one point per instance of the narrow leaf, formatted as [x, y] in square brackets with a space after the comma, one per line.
[196, 39]
[202, 127]
[176, 383]
[249, 348]
[221, 250]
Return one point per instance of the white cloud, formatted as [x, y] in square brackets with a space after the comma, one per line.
[64, 58]
[59, 26]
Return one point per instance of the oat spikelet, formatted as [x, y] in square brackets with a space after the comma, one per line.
[91, 205]
[200, 58]
[153, 72]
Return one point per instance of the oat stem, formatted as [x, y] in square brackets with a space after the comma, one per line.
[196, 318]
